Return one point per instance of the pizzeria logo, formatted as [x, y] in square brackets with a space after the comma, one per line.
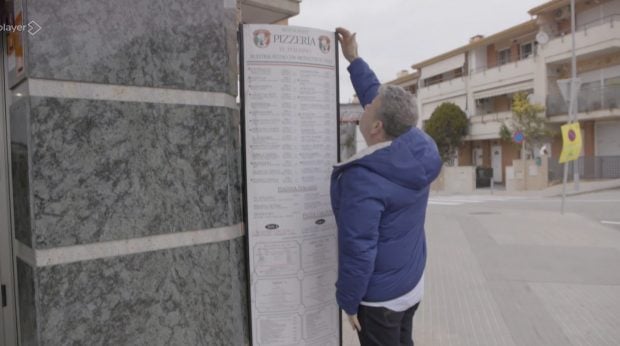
[262, 38]
[325, 44]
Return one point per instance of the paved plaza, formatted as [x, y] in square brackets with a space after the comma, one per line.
[508, 270]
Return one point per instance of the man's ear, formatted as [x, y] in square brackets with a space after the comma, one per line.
[377, 126]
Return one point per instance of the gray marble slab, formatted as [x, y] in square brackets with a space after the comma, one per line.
[20, 173]
[184, 296]
[27, 303]
[188, 44]
[235, 171]
[106, 170]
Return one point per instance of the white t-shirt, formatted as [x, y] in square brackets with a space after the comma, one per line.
[403, 302]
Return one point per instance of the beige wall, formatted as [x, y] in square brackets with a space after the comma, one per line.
[465, 158]
[510, 152]
[491, 56]
[486, 153]
[588, 141]
[514, 51]
[460, 179]
[502, 103]
[536, 179]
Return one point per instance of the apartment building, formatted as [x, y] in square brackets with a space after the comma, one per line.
[598, 67]
[482, 76]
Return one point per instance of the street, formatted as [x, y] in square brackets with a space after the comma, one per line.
[506, 270]
[600, 207]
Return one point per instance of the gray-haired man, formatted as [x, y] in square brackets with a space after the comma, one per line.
[379, 198]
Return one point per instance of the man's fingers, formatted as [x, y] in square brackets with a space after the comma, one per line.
[356, 323]
[342, 31]
[346, 34]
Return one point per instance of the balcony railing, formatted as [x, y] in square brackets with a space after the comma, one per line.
[443, 79]
[589, 99]
[584, 27]
[499, 66]
[609, 20]
[589, 167]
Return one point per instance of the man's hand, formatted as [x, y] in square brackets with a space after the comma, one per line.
[348, 43]
[355, 323]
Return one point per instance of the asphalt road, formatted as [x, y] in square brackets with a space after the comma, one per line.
[602, 207]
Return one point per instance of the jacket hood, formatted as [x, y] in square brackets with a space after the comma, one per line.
[411, 160]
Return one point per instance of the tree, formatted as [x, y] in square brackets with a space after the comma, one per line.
[448, 126]
[526, 118]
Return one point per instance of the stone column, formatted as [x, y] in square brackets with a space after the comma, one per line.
[126, 179]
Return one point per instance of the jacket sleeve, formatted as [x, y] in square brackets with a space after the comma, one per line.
[364, 81]
[358, 233]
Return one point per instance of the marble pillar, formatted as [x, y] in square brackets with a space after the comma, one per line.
[126, 176]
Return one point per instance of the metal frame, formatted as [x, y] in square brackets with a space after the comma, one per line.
[9, 334]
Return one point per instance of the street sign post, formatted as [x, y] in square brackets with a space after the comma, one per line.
[572, 108]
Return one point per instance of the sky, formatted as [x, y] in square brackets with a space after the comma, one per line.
[394, 34]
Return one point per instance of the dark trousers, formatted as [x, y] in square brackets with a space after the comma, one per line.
[384, 327]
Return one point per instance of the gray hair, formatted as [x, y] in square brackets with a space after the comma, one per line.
[398, 111]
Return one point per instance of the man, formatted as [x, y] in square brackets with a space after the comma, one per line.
[379, 198]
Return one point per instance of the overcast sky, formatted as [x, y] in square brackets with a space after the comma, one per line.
[394, 34]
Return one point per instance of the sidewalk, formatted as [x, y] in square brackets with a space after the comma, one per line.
[499, 278]
[585, 186]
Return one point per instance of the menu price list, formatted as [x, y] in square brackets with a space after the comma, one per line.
[290, 122]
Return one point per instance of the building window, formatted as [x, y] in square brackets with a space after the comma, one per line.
[433, 80]
[484, 106]
[526, 50]
[503, 56]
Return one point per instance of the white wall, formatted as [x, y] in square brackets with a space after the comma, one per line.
[428, 108]
[443, 66]
[607, 139]
[478, 59]
[460, 179]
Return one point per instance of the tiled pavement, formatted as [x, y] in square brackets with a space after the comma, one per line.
[500, 278]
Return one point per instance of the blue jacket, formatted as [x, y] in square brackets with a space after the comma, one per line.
[379, 201]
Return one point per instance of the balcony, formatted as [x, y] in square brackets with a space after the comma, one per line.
[590, 99]
[443, 90]
[590, 38]
[512, 73]
[487, 126]
[589, 167]
[268, 11]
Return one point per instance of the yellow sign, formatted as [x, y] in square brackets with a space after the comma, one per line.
[571, 142]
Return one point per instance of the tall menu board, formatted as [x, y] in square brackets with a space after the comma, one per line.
[289, 107]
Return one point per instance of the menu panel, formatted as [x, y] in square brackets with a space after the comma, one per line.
[290, 129]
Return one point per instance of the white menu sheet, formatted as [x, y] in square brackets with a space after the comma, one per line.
[290, 130]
